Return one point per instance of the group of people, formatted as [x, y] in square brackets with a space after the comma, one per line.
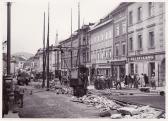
[136, 81]
[129, 81]
[101, 82]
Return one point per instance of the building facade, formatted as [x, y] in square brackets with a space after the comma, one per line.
[80, 47]
[146, 42]
[118, 63]
[101, 42]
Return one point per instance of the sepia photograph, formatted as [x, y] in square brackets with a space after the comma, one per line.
[91, 59]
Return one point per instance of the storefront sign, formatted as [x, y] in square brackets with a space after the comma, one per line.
[116, 63]
[144, 57]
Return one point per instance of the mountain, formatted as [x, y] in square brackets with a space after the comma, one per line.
[25, 55]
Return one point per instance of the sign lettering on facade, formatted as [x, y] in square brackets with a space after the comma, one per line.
[144, 57]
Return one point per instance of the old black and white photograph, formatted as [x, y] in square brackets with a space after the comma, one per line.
[91, 59]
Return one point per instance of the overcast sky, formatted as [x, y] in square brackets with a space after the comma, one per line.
[27, 20]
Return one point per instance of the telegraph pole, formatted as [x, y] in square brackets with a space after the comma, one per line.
[8, 36]
[57, 53]
[43, 84]
[79, 30]
[48, 52]
[71, 39]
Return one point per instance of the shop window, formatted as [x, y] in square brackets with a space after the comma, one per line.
[151, 68]
[131, 68]
[136, 68]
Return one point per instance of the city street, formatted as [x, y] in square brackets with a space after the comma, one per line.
[111, 64]
[47, 104]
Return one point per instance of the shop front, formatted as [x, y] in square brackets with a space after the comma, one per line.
[103, 69]
[118, 69]
[148, 64]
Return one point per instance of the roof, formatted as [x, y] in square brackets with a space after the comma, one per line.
[101, 25]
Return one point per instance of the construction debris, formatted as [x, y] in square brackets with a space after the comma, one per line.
[128, 111]
[116, 116]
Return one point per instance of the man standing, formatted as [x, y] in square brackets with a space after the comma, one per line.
[153, 81]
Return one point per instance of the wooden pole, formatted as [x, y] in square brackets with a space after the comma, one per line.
[48, 52]
[43, 83]
[8, 36]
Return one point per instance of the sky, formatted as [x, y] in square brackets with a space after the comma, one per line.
[27, 18]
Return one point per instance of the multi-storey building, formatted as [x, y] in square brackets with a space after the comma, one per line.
[146, 42]
[118, 64]
[101, 41]
[37, 60]
[80, 49]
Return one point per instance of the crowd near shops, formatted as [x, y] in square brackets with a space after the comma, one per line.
[129, 81]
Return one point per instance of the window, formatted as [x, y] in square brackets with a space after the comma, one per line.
[105, 54]
[139, 13]
[123, 27]
[130, 43]
[117, 30]
[97, 38]
[98, 56]
[130, 18]
[87, 56]
[117, 50]
[123, 49]
[84, 57]
[110, 34]
[151, 9]
[102, 37]
[106, 35]
[151, 39]
[110, 53]
[139, 41]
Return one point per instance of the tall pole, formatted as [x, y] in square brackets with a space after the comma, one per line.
[8, 36]
[43, 84]
[78, 15]
[71, 38]
[48, 52]
[57, 52]
[79, 31]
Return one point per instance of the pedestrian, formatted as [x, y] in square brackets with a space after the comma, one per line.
[126, 80]
[118, 83]
[146, 80]
[153, 84]
[142, 82]
[137, 79]
[129, 81]
[132, 81]
[102, 82]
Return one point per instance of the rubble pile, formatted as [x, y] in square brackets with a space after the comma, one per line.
[141, 112]
[97, 101]
[63, 90]
[107, 107]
